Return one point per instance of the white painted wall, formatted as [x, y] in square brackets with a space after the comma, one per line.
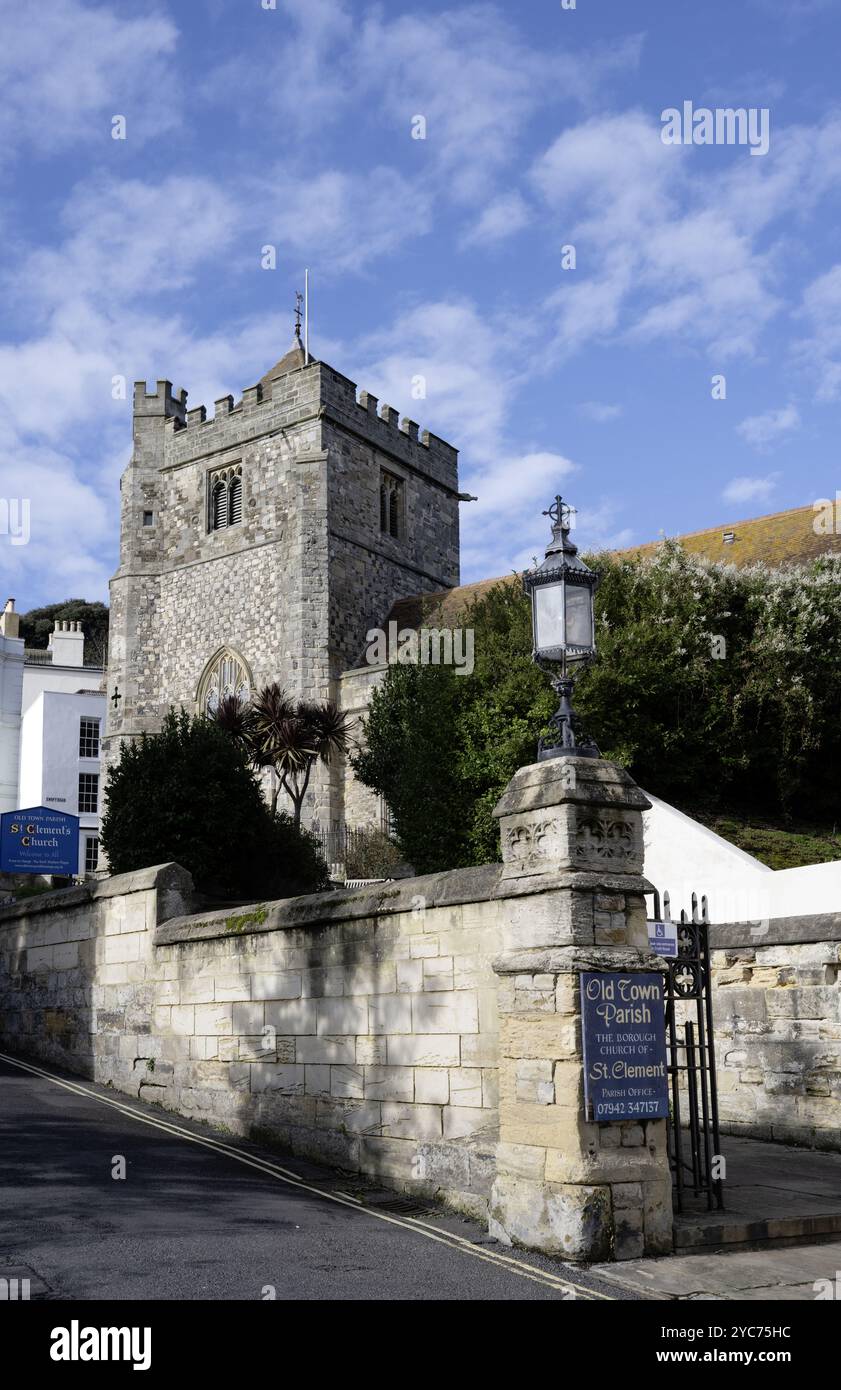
[683, 857]
[11, 686]
[69, 679]
[50, 763]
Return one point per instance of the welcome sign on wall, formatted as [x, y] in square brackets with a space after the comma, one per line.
[624, 1032]
[39, 841]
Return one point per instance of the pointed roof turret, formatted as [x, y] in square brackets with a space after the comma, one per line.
[290, 361]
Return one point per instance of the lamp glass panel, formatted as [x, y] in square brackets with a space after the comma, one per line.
[549, 616]
[579, 615]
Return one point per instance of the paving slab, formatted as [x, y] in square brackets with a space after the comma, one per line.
[773, 1192]
[788, 1274]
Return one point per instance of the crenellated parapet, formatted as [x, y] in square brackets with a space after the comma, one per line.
[162, 401]
[311, 392]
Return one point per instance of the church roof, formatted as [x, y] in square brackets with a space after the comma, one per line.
[778, 540]
[289, 362]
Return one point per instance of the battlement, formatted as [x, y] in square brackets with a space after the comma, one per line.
[295, 395]
[386, 428]
[410, 428]
[162, 401]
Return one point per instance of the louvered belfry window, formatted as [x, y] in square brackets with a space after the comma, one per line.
[391, 505]
[225, 498]
[220, 506]
[235, 501]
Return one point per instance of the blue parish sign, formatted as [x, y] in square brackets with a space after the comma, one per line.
[624, 1031]
[39, 841]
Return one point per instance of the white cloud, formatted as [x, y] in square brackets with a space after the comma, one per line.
[66, 68]
[338, 221]
[469, 374]
[128, 239]
[466, 70]
[750, 489]
[502, 218]
[69, 524]
[600, 411]
[644, 217]
[761, 431]
[819, 354]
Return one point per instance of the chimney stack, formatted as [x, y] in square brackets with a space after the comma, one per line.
[9, 620]
[67, 643]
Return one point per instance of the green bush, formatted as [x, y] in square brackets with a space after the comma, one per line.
[187, 794]
[719, 689]
[371, 854]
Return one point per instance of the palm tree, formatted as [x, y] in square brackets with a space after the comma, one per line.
[289, 738]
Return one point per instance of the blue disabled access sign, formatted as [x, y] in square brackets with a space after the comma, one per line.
[624, 1032]
[39, 841]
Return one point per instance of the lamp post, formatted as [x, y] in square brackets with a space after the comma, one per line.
[561, 592]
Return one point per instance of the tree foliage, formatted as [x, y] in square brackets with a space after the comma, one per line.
[719, 689]
[189, 795]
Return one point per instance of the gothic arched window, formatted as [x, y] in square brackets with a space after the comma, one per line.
[226, 673]
[391, 505]
[224, 498]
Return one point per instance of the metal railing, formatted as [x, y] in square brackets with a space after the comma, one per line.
[693, 1130]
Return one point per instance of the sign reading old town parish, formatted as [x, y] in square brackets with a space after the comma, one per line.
[39, 841]
[624, 1031]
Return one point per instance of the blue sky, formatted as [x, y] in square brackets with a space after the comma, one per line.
[439, 258]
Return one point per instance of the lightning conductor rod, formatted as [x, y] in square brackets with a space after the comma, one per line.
[306, 318]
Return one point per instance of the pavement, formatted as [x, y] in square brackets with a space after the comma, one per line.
[202, 1215]
[797, 1273]
[773, 1192]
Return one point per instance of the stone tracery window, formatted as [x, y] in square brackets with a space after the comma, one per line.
[391, 505]
[224, 497]
[227, 673]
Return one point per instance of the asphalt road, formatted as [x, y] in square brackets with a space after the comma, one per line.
[202, 1215]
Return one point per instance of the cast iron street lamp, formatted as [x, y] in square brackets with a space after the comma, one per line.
[561, 592]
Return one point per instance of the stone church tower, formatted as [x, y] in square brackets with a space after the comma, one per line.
[263, 544]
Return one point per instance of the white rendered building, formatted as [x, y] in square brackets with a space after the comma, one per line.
[52, 711]
[11, 704]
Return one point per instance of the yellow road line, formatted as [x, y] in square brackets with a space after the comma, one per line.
[421, 1228]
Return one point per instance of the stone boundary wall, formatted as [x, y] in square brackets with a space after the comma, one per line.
[374, 1029]
[361, 1028]
[358, 1028]
[777, 1009]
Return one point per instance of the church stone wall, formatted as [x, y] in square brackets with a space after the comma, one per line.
[295, 586]
[362, 807]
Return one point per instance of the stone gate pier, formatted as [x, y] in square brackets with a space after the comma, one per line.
[572, 846]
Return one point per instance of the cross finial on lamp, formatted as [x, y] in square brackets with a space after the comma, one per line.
[559, 513]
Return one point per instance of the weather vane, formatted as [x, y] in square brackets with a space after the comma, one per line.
[299, 300]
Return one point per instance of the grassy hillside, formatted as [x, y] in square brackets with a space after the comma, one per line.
[779, 847]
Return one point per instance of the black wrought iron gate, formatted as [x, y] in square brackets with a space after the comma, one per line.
[693, 1133]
